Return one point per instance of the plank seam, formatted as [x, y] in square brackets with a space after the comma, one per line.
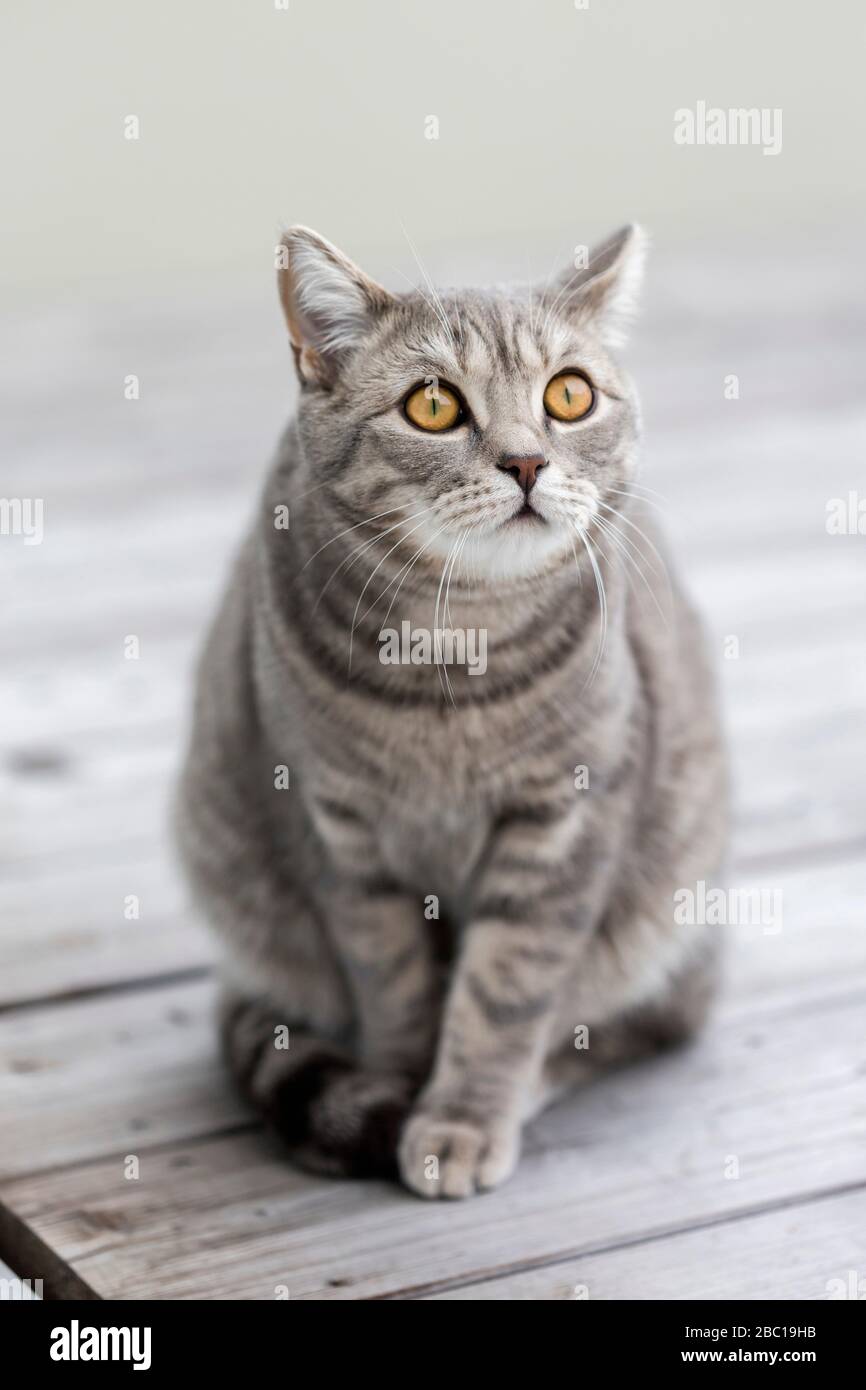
[651, 1237]
[83, 993]
[11, 1180]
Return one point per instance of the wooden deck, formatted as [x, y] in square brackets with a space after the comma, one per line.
[736, 1168]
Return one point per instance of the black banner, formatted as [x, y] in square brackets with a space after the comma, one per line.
[65, 1338]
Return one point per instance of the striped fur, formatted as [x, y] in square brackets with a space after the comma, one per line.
[432, 906]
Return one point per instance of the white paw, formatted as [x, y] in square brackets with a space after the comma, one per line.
[445, 1157]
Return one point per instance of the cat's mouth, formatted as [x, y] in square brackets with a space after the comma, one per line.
[525, 515]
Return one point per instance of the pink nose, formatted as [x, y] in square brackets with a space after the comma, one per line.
[524, 469]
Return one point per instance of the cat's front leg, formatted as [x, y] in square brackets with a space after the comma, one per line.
[533, 918]
[388, 957]
[383, 942]
[463, 1135]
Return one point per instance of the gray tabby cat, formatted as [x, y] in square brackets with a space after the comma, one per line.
[471, 871]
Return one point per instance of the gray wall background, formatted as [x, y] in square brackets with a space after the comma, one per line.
[556, 123]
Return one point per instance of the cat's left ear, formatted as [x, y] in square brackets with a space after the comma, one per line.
[329, 303]
[608, 287]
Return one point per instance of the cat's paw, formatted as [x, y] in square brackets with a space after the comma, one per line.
[441, 1155]
[343, 1123]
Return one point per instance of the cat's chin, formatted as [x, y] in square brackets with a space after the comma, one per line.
[522, 547]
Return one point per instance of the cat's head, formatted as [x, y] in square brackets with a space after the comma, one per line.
[494, 423]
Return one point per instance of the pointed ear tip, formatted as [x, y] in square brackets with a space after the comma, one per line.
[629, 243]
[634, 234]
[641, 240]
[297, 232]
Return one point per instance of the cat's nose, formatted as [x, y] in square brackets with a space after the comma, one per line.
[524, 469]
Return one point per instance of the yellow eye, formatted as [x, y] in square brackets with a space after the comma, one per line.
[433, 407]
[568, 397]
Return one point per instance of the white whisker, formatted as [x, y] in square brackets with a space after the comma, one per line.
[371, 577]
[619, 542]
[366, 522]
[356, 554]
[661, 569]
[639, 497]
[402, 574]
[602, 605]
[437, 302]
[446, 683]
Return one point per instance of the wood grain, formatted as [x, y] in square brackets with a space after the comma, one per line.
[808, 1251]
[643, 1154]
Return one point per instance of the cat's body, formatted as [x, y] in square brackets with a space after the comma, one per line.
[469, 872]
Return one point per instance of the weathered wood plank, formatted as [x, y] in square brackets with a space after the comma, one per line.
[65, 931]
[814, 1250]
[110, 1076]
[816, 950]
[640, 1155]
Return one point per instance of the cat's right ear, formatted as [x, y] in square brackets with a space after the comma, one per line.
[329, 303]
[607, 286]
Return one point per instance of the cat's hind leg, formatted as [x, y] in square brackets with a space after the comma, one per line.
[334, 1117]
[655, 1026]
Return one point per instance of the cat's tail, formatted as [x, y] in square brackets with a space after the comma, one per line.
[334, 1117]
